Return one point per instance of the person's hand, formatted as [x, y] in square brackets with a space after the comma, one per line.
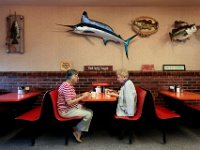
[109, 90]
[85, 94]
[112, 93]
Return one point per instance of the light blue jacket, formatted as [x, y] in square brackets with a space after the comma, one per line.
[127, 100]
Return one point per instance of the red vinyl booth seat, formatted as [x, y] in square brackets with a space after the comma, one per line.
[196, 107]
[54, 96]
[165, 113]
[141, 94]
[161, 114]
[31, 115]
[140, 102]
[34, 116]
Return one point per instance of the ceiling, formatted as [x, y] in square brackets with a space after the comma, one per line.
[103, 3]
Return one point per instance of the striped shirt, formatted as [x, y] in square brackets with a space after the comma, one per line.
[66, 92]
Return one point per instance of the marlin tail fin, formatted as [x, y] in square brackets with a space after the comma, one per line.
[126, 43]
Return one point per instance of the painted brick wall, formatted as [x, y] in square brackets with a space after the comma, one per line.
[154, 81]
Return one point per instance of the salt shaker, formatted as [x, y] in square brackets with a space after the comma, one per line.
[178, 89]
[20, 90]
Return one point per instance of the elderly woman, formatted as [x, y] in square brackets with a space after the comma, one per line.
[68, 104]
[127, 97]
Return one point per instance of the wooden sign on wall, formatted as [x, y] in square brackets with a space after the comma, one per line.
[98, 68]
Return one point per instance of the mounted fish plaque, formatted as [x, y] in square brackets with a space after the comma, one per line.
[145, 26]
[182, 31]
[15, 34]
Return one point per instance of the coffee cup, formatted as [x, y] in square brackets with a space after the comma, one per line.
[93, 94]
[98, 89]
[106, 91]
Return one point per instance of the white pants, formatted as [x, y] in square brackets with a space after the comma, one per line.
[87, 114]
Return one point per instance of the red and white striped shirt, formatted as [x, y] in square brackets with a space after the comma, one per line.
[66, 92]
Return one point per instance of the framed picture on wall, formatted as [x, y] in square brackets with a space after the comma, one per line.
[174, 67]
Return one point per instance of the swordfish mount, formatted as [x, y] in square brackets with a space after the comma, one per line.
[90, 27]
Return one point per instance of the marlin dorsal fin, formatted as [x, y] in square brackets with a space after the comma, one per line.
[85, 19]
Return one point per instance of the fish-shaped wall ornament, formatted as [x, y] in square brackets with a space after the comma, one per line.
[182, 31]
[15, 34]
[99, 29]
[178, 24]
[145, 26]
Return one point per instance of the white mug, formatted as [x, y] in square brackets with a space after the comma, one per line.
[98, 90]
[93, 94]
[106, 91]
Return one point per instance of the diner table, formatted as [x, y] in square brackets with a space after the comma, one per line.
[14, 97]
[15, 104]
[181, 96]
[101, 97]
[182, 102]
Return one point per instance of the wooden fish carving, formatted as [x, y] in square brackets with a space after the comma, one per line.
[145, 26]
[14, 31]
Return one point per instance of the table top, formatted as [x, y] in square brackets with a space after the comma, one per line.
[183, 96]
[14, 97]
[100, 98]
[101, 84]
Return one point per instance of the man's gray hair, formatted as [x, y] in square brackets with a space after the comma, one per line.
[70, 73]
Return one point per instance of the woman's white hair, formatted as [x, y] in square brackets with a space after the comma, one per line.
[123, 73]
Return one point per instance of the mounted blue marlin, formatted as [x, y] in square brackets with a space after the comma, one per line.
[98, 29]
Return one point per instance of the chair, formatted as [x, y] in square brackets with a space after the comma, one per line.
[160, 114]
[141, 94]
[34, 117]
[54, 96]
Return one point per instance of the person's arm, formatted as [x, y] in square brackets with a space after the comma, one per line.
[78, 98]
[112, 93]
[130, 94]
